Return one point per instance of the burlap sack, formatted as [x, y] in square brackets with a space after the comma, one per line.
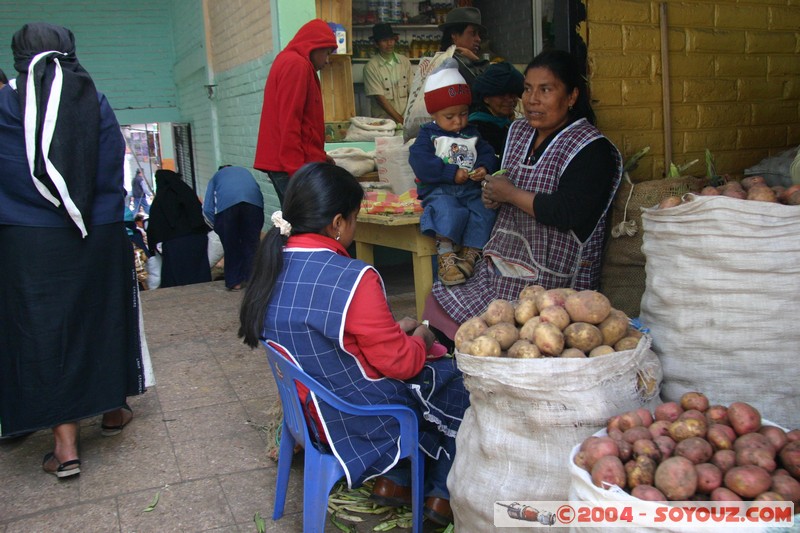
[525, 416]
[622, 279]
[721, 301]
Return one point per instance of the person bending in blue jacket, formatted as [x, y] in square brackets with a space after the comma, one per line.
[234, 207]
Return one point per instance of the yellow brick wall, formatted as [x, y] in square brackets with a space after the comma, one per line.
[734, 79]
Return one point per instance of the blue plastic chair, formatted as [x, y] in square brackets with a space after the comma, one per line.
[322, 470]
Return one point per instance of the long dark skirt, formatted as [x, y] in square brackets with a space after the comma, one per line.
[185, 261]
[69, 330]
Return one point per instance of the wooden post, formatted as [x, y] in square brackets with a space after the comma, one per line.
[665, 88]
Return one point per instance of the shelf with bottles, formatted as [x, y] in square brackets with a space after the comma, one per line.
[414, 46]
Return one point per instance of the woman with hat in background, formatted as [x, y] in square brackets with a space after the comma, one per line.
[495, 95]
[462, 27]
[387, 76]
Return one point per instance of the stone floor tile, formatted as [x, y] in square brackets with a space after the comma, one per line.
[206, 422]
[212, 456]
[97, 517]
[190, 506]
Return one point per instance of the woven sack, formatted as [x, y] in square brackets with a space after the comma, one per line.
[416, 114]
[355, 160]
[368, 128]
[721, 301]
[622, 278]
[525, 416]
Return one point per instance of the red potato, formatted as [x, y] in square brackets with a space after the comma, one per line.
[758, 457]
[686, 428]
[751, 181]
[648, 493]
[614, 433]
[665, 445]
[597, 447]
[709, 191]
[613, 423]
[784, 196]
[788, 486]
[646, 416]
[640, 471]
[717, 414]
[636, 433]
[753, 440]
[676, 477]
[709, 477]
[761, 193]
[722, 494]
[793, 435]
[628, 420]
[625, 450]
[790, 458]
[694, 400]
[747, 481]
[724, 459]
[659, 428]
[669, 411]
[588, 306]
[721, 437]
[580, 461]
[647, 448]
[776, 436]
[770, 496]
[744, 418]
[609, 470]
[693, 413]
[734, 193]
[695, 449]
[556, 315]
[794, 198]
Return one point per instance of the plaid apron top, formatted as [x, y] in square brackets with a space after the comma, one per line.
[539, 254]
[306, 315]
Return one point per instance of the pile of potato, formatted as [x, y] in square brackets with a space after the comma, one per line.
[750, 188]
[688, 450]
[548, 323]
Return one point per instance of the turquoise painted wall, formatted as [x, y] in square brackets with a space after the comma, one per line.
[126, 47]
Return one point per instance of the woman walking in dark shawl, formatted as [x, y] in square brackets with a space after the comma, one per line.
[69, 331]
[177, 224]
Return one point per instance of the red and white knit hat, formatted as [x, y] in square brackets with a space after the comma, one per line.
[446, 87]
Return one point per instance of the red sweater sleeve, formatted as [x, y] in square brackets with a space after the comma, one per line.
[291, 103]
[373, 336]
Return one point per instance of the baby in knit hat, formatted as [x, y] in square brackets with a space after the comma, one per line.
[450, 160]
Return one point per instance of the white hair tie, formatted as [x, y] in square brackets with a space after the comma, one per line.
[280, 223]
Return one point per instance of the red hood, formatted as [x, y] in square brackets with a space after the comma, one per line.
[313, 35]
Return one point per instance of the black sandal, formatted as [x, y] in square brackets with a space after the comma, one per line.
[110, 431]
[63, 470]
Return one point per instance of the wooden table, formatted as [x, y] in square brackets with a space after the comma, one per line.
[400, 232]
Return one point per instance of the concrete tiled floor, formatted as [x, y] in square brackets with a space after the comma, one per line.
[197, 438]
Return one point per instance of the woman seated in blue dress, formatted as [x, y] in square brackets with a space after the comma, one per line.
[330, 313]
